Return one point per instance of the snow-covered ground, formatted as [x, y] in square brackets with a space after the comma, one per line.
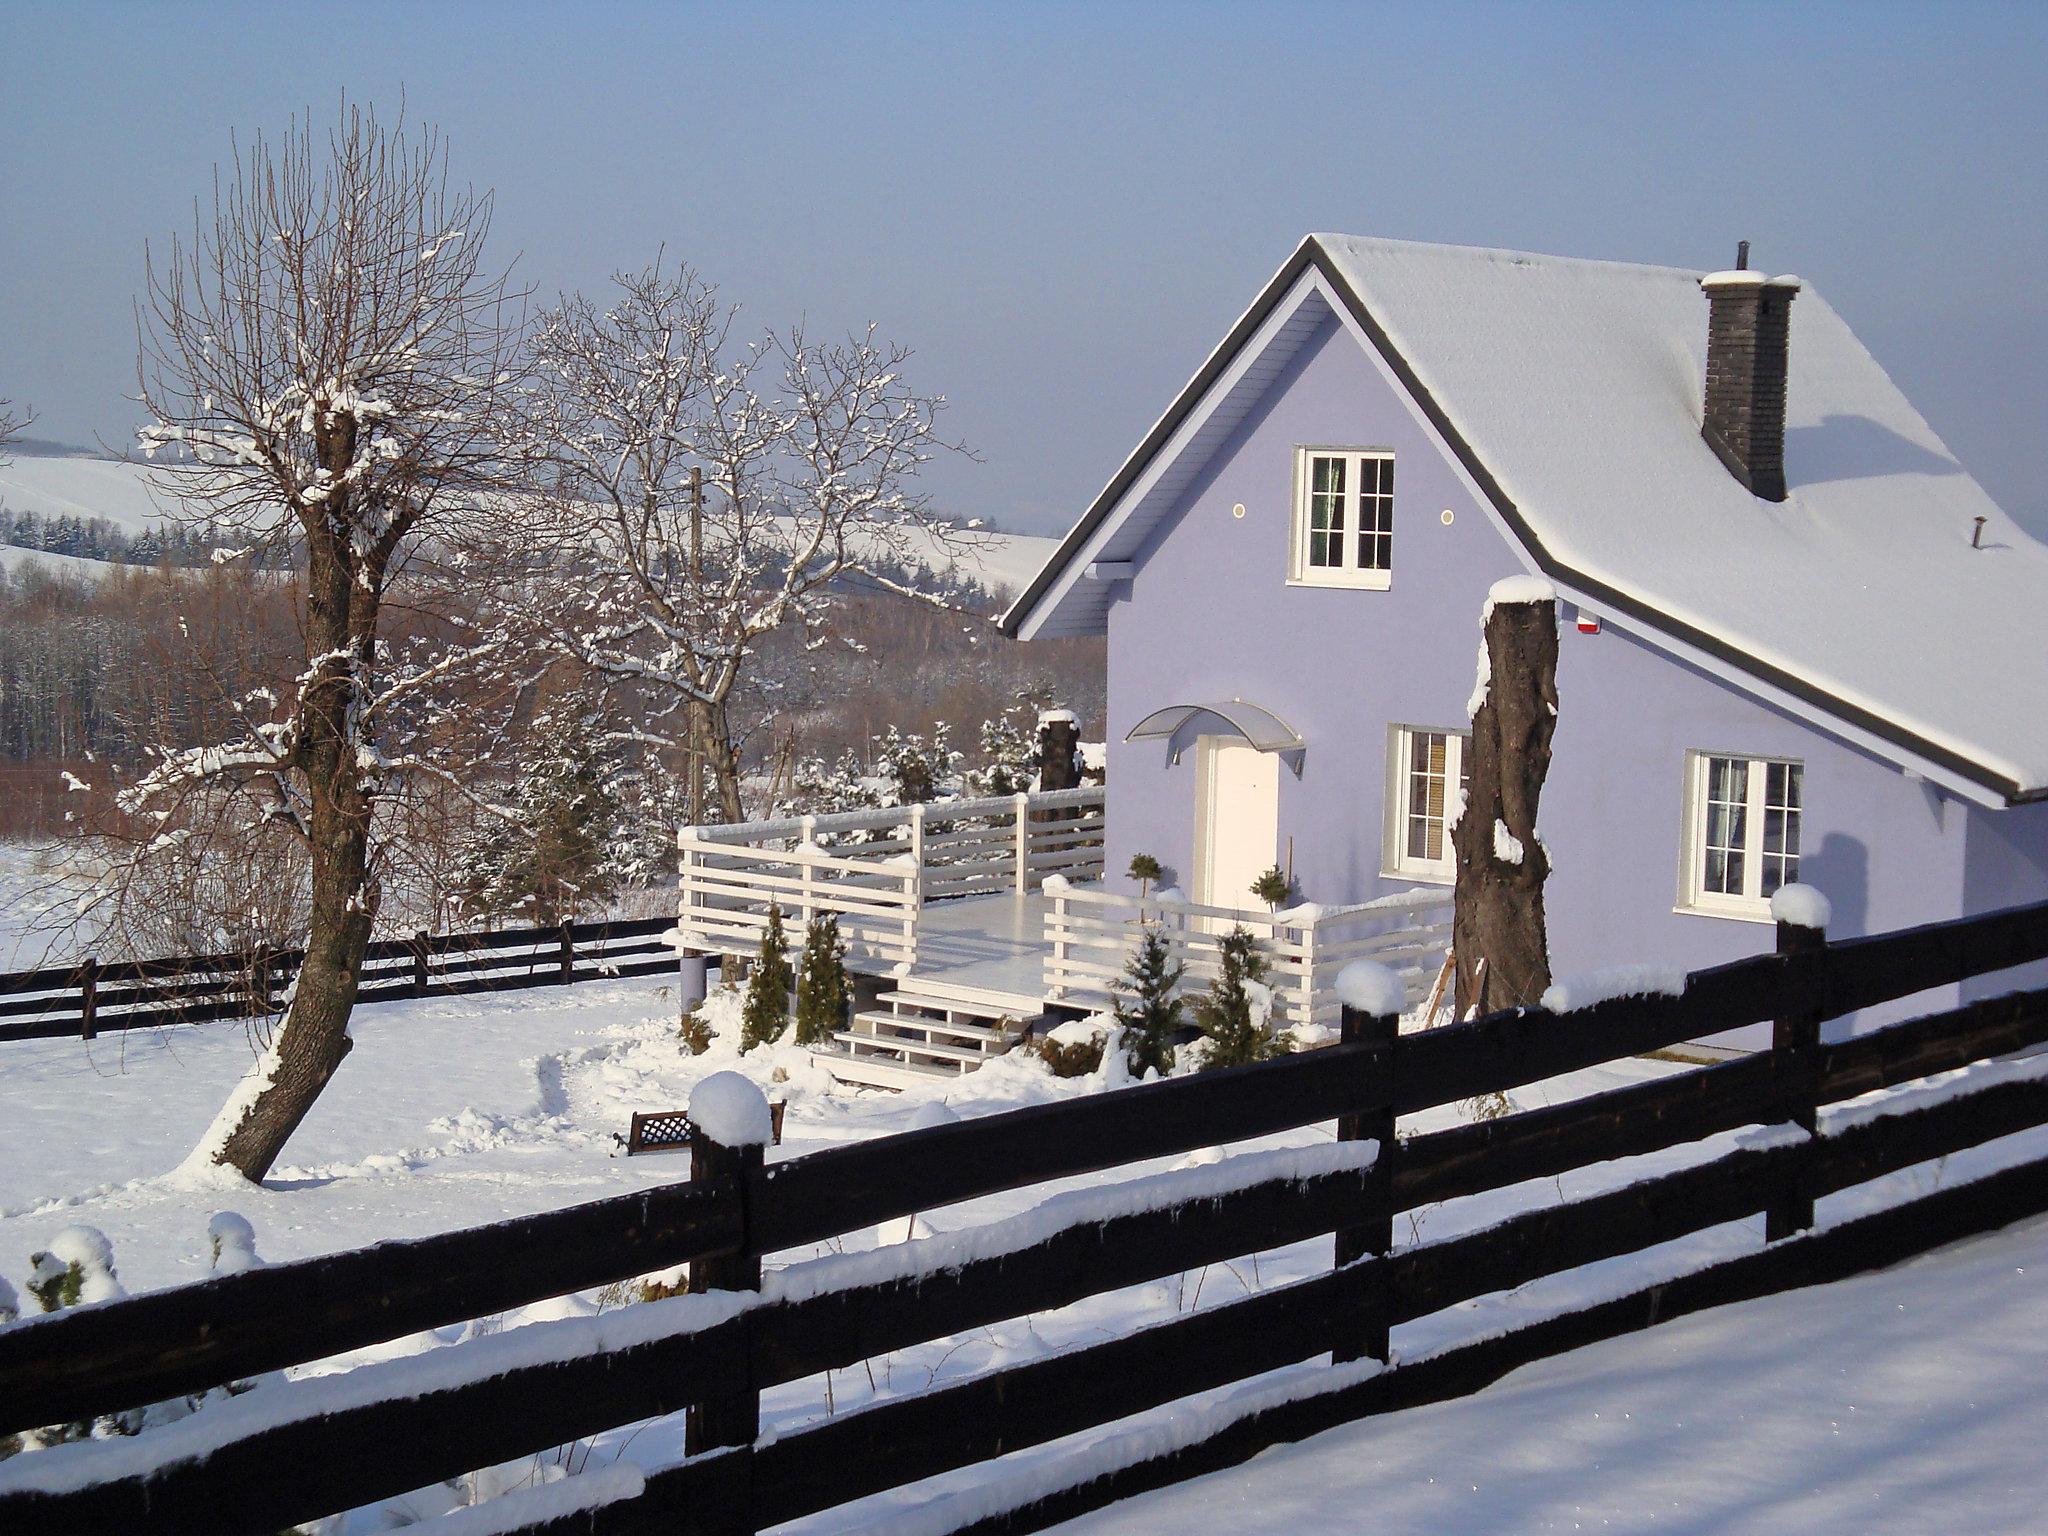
[1907, 1401]
[25, 896]
[454, 1112]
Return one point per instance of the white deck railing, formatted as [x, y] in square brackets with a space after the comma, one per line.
[876, 869]
[1091, 934]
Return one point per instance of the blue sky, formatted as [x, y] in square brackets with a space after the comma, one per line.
[1063, 207]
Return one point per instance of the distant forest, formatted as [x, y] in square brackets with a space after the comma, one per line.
[95, 538]
[94, 667]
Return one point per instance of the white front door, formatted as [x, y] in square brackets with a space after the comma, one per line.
[1237, 820]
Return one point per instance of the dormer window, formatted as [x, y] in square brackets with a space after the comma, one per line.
[1343, 517]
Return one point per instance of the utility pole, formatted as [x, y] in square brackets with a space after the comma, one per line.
[697, 742]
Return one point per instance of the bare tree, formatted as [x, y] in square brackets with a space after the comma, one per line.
[323, 364]
[13, 422]
[692, 508]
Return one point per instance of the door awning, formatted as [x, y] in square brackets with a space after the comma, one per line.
[1262, 728]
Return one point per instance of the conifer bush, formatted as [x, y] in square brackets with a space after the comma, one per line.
[1224, 1013]
[821, 985]
[1273, 888]
[1144, 869]
[1152, 1012]
[766, 1014]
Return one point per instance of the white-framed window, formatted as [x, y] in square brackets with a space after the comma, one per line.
[1343, 517]
[1742, 832]
[1426, 783]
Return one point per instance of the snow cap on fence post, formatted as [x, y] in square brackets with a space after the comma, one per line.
[1801, 906]
[1366, 986]
[730, 1109]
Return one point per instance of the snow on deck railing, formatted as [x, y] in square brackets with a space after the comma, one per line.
[731, 875]
[1090, 934]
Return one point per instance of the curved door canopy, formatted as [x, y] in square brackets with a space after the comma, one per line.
[1261, 727]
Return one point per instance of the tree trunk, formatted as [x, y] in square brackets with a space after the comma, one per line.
[341, 622]
[724, 759]
[1499, 921]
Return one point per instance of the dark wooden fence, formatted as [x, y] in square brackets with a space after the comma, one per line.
[90, 997]
[389, 1427]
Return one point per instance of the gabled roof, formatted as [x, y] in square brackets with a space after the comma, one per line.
[1570, 393]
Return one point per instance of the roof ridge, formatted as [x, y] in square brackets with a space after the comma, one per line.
[1510, 253]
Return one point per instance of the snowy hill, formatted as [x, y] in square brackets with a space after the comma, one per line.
[86, 487]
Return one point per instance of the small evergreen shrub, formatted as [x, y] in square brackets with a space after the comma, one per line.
[1152, 1012]
[767, 1009]
[821, 986]
[694, 1033]
[1144, 869]
[1224, 1013]
[1273, 888]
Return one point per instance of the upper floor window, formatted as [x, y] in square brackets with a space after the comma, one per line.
[1426, 784]
[1742, 832]
[1343, 517]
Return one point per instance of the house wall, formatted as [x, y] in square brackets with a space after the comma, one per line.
[2006, 863]
[1209, 616]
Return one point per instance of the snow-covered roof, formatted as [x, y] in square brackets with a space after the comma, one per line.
[1571, 390]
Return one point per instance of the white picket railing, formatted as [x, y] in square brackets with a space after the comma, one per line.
[875, 869]
[1091, 934]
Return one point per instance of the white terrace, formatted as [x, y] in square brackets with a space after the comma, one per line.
[981, 916]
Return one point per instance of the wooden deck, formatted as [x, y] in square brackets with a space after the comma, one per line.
[990, 947]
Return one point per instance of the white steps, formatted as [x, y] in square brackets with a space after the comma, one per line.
[924, 1032]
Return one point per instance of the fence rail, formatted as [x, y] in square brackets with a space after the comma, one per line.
[90, 997]
[1090, 934]
[389, 1427]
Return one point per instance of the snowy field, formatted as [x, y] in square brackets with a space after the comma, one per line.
[55, 485]
[455, 1112]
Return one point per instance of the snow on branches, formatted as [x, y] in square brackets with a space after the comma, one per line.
[694, 493]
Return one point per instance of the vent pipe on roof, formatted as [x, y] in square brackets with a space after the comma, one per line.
[1749, 322]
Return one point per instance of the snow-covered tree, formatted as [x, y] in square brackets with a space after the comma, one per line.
[1009, 753]
[322, 365]
[819, 790]
[768, 985]
[916, 769]
[577, 833]
[821, 986]
[1149, 1007]
[696, 494]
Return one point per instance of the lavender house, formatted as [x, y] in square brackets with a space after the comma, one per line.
[1800, 641]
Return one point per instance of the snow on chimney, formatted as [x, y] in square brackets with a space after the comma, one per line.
[1749, 320]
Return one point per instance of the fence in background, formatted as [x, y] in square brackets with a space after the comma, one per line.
[385, 1428]
[90, 998]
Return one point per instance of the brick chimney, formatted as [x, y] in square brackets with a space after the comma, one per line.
[1749, 319]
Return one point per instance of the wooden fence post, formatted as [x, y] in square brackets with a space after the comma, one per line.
[419, 963]
[89, 997]
[1802, 917]
[567, 939]
[732, 1125]
[1371, 999]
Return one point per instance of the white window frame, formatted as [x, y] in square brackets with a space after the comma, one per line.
[1352, 573]
[1396, 863]
[1751, 904]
